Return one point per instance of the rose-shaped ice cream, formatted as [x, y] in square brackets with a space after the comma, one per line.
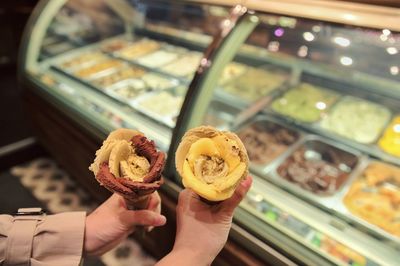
[212, 163]
[129, 164]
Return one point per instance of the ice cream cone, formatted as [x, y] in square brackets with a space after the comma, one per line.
[118, 160]
[139, 203]
[212, 163]
[209, 202]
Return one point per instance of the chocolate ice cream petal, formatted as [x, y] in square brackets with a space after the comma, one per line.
[146, 148]
[141, 188]
[108, 180]
[156, 169]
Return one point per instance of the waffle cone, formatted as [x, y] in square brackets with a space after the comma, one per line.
[137, 203]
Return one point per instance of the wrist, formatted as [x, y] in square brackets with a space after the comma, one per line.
[196, 257]
[185, 256]
[88, 246]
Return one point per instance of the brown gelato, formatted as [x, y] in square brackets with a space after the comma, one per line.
[318, 167]
[265, 141]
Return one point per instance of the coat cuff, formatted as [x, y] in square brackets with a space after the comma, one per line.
[59, 239]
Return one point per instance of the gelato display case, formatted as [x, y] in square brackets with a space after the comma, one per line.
[311, 87]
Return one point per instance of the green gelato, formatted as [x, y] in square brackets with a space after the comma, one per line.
[306, 103]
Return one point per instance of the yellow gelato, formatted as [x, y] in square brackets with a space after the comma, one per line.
[211, 162]
[390, 141]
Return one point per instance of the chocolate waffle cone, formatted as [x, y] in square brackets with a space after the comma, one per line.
[129, 149]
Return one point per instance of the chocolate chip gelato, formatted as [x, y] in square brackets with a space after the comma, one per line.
[318, 167]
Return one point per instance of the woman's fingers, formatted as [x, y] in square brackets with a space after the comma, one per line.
[155, 202]
[230, 204]
[129, 219]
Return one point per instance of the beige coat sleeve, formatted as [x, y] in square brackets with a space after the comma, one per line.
[52, 240]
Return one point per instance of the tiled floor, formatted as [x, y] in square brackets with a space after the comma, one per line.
[42, 183]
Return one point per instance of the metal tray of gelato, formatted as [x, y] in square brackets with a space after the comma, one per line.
[127, 90]
[372, 200]
[304, 103]
[75, 60]
[159, 82]
[113, 45]
[266, 140]
[138, 48]
[162, 106]
[317, 169]
[100, 68]
[357, 119]
[117, 75]
[254, 83]
[184, 66]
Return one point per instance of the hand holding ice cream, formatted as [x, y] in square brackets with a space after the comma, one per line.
[212, 163]
[202, 229]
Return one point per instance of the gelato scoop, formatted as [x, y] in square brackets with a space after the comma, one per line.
[129, 164]
[211, 162]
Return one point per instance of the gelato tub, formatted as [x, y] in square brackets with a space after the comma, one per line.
[138, 49]
[266, 140]
[127, 90]
[184, 66]
[158, 82]
[98, 68]
[390, 141]
[114, 45]
[306, 103]
[82, 60]
[375, 197]
[157, 59]
[254, 83]
[318, 167]
[119, 75]
[357, 119]
[161, 106]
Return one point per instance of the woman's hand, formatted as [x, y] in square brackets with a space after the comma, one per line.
[202, 229]
[112, 222]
